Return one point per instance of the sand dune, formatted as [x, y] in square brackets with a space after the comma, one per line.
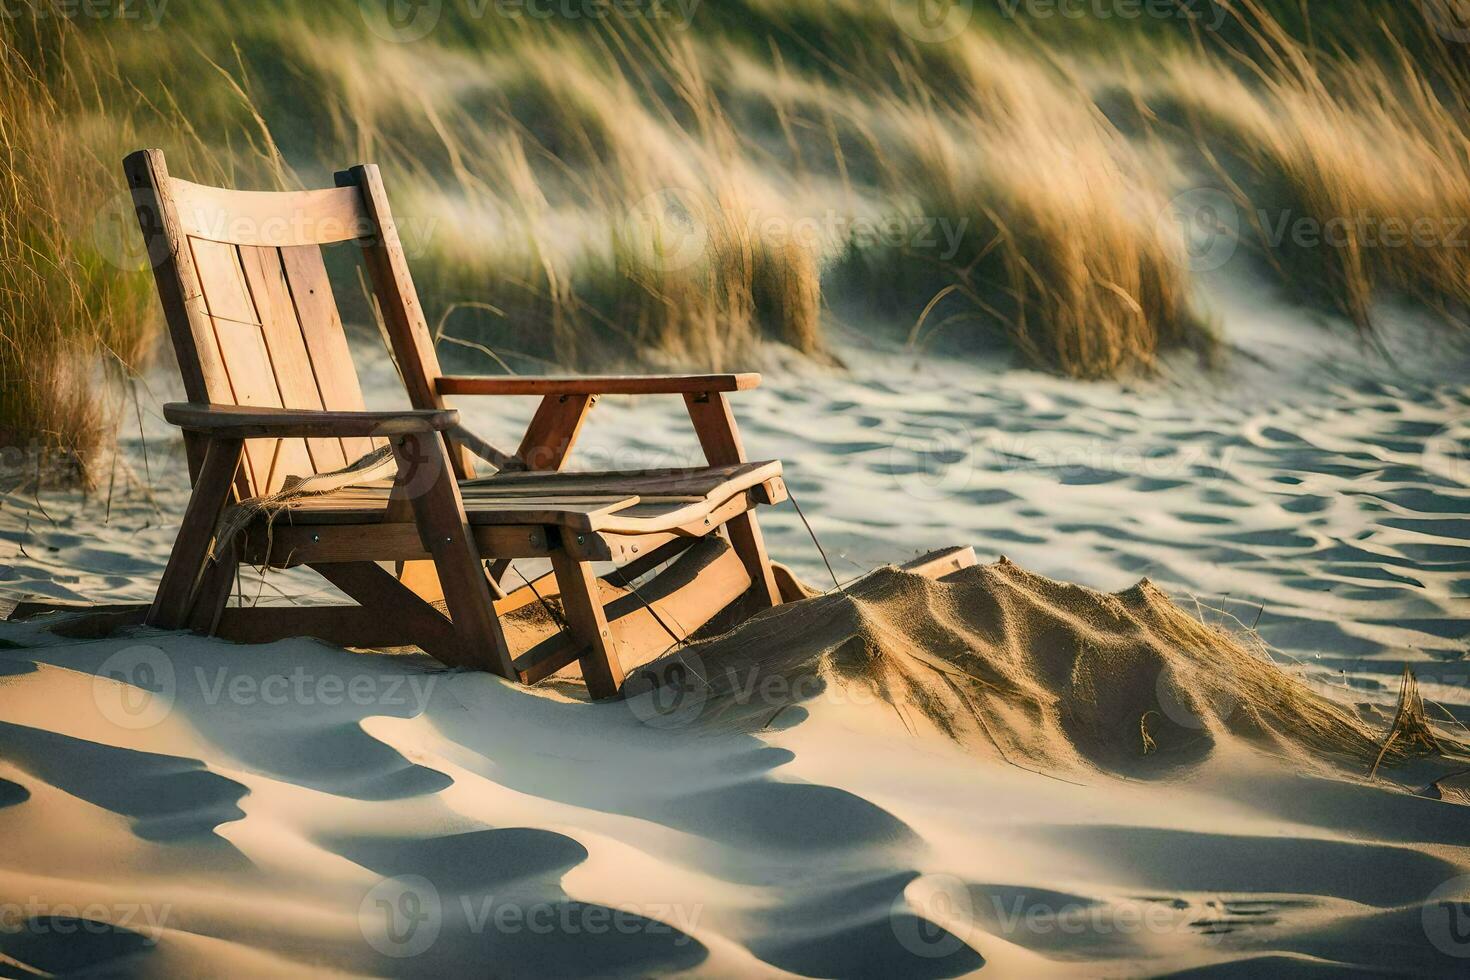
[542, 834]
[1013, 665]
[1102, 786]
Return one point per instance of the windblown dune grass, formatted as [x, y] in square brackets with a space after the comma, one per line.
[632, 192]
[70, 310]
[1062, 251]
[1352, 175]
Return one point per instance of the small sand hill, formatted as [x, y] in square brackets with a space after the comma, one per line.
[1035, 670]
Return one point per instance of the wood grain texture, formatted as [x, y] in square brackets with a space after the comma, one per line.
[398, 301]
[290, 364]
[719, 436]
[587, 623]
[288, 546]
[440, 517]
[179, 290]
[326, 341]
[625, 384]
[254, 422]
[553, 431]
[212, 492]
[270, 219]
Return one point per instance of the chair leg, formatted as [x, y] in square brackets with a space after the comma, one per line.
[427, 482]
[750, 545]
[719, 437]
[587, 622]
[547, 444]
[175, 597]
[214, 591]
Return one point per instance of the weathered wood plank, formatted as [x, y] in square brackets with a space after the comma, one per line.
[326, 341]
[378, 592]
[270, 219]
[588, 625]
[439, 513]
[293, 545]
[251, 422]
[212, 491]
[945, 561]
[398, 301]
[593, 385]
[553, 431]
[719, 436]
[290, 362]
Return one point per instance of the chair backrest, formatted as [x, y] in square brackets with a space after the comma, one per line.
[251, 312]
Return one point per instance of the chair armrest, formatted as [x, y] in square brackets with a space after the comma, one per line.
[632, 384]
[250, 422]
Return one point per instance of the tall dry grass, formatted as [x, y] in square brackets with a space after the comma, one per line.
[1062, 254]
[79, 316]
[589, 194]
[70, 310]
[1353, 175]
[580, 212]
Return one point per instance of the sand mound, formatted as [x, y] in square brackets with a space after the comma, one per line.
[1018, 665]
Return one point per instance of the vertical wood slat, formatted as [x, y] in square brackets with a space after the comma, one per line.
[290, 362]
[326, 341]
[178, 282]
[246, 360]
[547, 444]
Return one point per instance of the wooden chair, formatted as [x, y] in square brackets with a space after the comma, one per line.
[273, 393]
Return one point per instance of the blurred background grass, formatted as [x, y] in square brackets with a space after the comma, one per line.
[705, 184]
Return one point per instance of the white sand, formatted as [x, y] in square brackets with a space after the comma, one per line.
[273, 809]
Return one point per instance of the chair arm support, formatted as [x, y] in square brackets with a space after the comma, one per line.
[653, 384]
[251, 422]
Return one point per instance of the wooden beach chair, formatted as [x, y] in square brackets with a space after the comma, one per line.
[273, 394]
